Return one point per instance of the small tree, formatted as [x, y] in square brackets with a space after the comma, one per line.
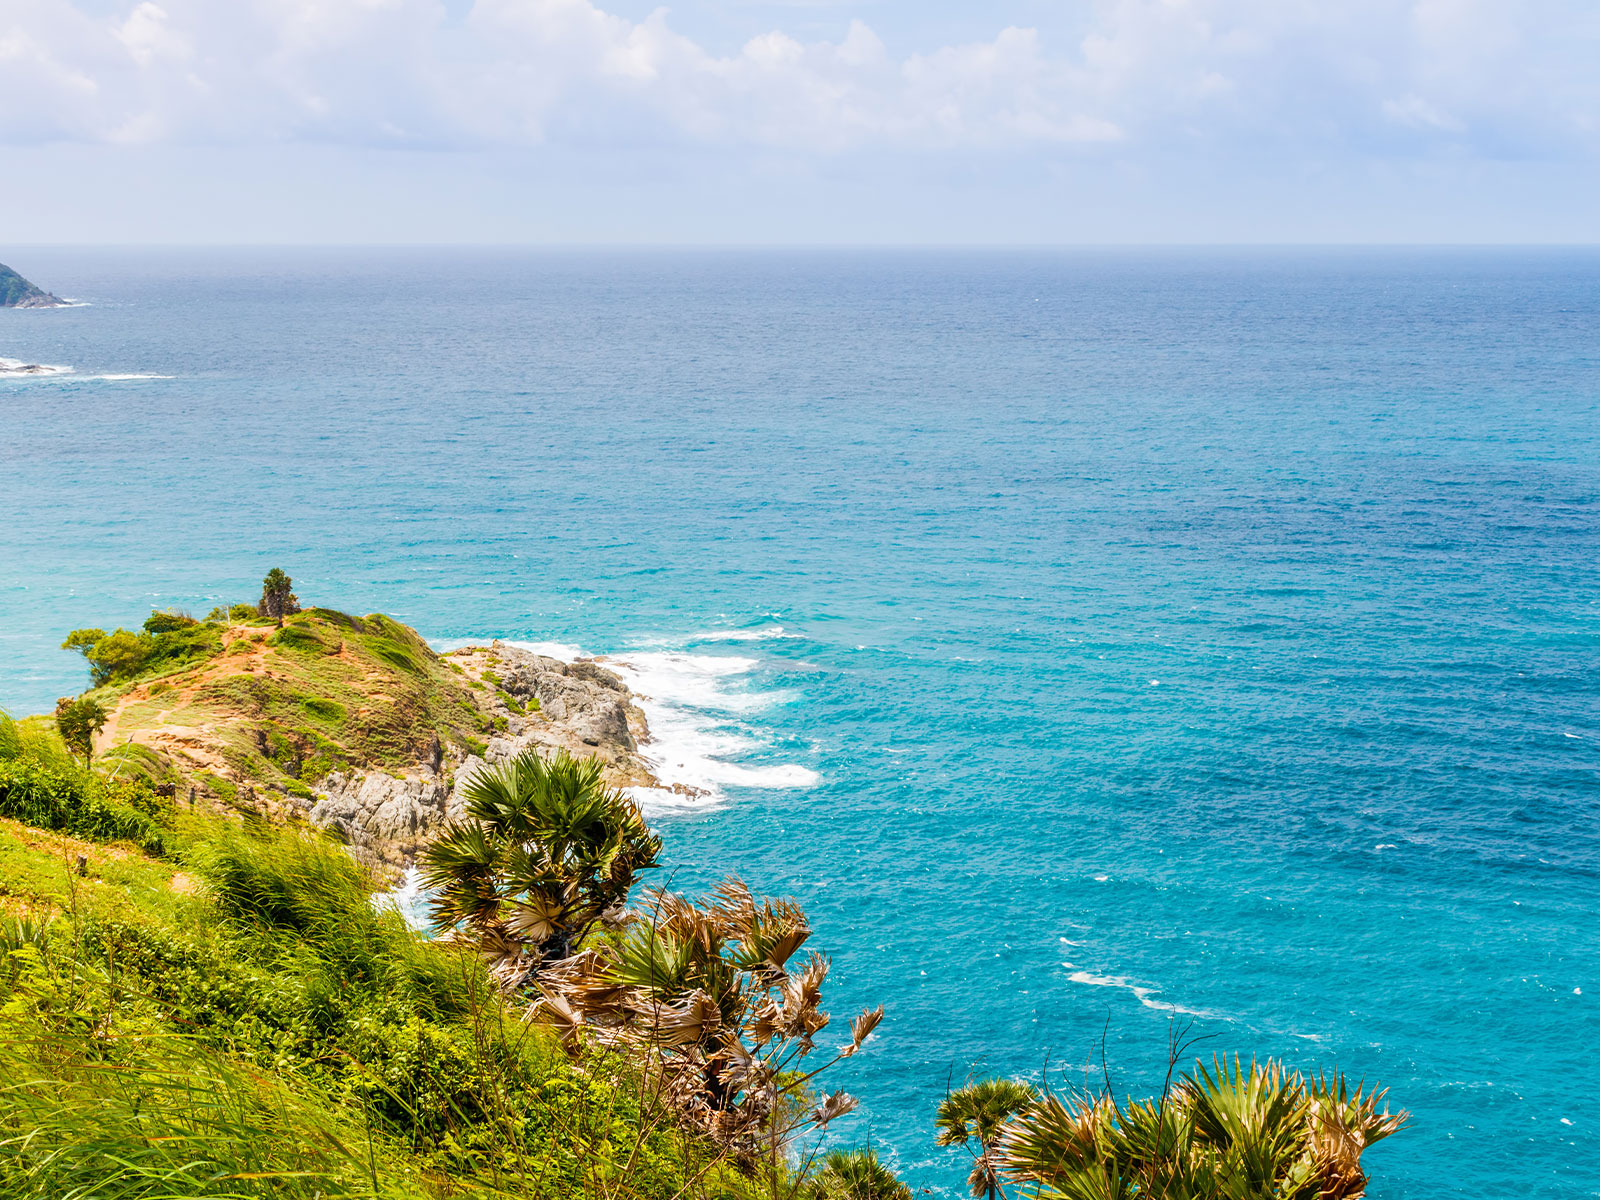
[167, 622]
[545, 852]
[78, 720]
[978, 1114]
[110, 655]
[277, 600]
[708, 994]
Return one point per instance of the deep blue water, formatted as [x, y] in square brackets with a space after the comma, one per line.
[1199, 636]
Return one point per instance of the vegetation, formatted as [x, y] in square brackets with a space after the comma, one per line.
[1225, 1130]
[272, 1033]
[41, 786]
[205, 1005]
[855, 1175]
[281, 707]
[78, 721]
[546, 852]
[975, 1117]
[15, 291]
[277, 597]
[122, 655]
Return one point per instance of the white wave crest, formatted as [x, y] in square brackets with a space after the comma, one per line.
[692, 702]
[742, 635]
[1145, 995]
[409, 900]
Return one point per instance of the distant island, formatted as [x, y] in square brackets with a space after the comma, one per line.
[17, 292]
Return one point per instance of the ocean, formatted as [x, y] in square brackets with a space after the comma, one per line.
[1102, 644]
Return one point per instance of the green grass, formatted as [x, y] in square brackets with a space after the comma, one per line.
[265, 1030]
[71, 799]
[339, 692]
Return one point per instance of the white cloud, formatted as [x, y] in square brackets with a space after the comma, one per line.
[1376, 76]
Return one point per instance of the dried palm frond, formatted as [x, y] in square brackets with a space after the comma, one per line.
[861, 1029]
[689, 1023]
[1343, 1123]
[833, 1107]
[735, 903]
[554, 1010]
[799, 1016]
[536, 917]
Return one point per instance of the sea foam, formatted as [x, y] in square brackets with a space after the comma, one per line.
[698, 708]
[1144, 995]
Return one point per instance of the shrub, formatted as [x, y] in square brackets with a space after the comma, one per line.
[78, 721]
[302, 637]
[394, 654]
[168, 621]
[71, 800]
[324, 709]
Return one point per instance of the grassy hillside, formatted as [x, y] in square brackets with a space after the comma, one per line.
[240, 703]
[239, 1020]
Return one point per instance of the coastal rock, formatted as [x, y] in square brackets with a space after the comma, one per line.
[583, 707]
[374, 809]
[579, 707]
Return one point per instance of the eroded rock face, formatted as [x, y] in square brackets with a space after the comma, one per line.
[582, 708]
[373, 808]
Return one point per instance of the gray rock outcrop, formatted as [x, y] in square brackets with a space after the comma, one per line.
[581, 708]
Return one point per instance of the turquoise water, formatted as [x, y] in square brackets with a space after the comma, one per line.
[1091, 640]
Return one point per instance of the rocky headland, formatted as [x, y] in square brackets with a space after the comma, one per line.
[17, 292]
[545, 704]
[353, 724]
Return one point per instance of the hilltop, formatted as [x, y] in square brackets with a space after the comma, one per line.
[17, 292]
[351, 722]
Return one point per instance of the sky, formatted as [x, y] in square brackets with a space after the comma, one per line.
[800, 122]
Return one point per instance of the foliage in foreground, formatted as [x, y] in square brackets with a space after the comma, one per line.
[276, 1034]
[544, 853]
[701, 994]
[41, 786]
[1225, 1130]
[976, 1116]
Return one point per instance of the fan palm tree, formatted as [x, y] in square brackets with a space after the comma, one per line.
[1225, 1132]
[978, 1113]
[708, 991]
[544, 851]
[855, 1175]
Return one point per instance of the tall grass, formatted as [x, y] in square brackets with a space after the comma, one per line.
[33, 738]
[305, 893]
[157, 1118]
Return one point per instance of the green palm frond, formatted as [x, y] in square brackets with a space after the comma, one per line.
[1228, 1131]
[545, 849]
[653, 961]
[462, 869]
[855, 1175]
[1255, 1117]
[980, 1110]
